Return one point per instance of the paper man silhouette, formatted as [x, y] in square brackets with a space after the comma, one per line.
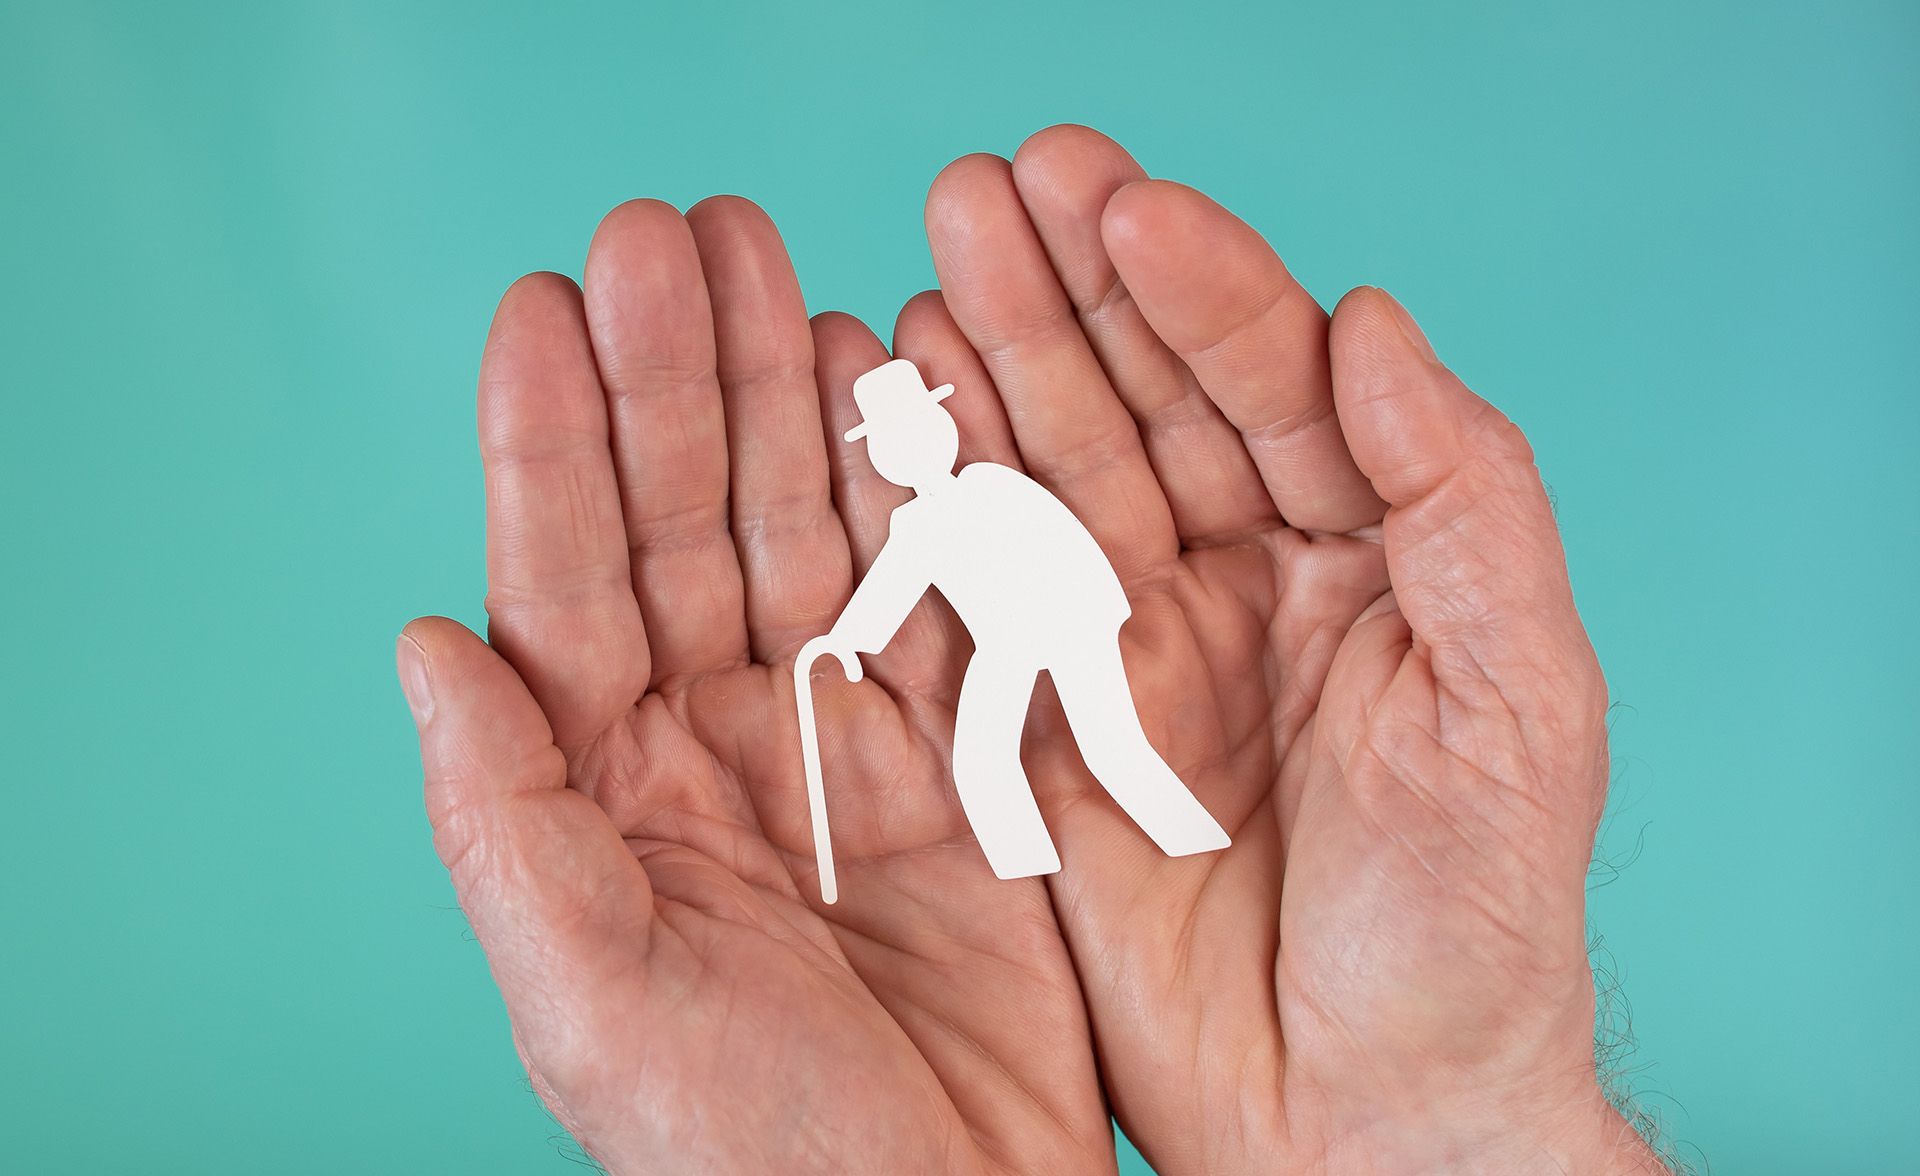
[1037, 593]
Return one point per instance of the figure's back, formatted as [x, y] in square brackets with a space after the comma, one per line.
[1015, 563]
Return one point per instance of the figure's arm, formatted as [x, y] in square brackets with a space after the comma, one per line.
[879, 606]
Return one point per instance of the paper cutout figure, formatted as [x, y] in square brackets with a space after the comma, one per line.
[1037, 593]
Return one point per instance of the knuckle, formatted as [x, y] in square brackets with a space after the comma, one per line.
[1500, 440]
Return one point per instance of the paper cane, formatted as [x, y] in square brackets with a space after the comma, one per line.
[810, 759]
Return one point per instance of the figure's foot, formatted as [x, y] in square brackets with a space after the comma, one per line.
[1023, 861]
[1160, 803]
[1005, 818]
[1196, 833]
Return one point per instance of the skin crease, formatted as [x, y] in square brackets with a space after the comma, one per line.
[1352, 636]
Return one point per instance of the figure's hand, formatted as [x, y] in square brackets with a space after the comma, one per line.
[616, 786]
[1353, 637]
[841, 649]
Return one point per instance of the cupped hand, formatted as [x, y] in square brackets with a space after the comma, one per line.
[614, 777]
[1353, 637]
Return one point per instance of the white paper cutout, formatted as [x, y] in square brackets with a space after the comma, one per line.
[1037, 593]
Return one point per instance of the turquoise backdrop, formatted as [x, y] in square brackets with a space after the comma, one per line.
[249, 253]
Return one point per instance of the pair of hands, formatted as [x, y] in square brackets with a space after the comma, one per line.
[1352, 637]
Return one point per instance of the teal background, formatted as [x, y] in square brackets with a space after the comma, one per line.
[249, 253]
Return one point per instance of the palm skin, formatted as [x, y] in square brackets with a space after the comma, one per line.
[1352, 637]
[640, 872]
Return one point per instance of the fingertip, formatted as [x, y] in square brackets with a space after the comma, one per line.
[642, 250]
[926, 333]
[1396, 418]
[835, 331]
[415, 668]
[1362, 299]
[429, 632]
[952, 197]
[1131, 212]
[726, 206]
[843, 348]
[1408, 419]
[538, 308]
[1198, 271]
[537, 375]
[1065, 175]
[1150, 212]
[725, 222]
[1362, 336]
[431, 647]
[1058, 166]
[920, 313]
[758, 308]
[642, 214]
[1061, 140]
[646, 298]
[1368, 318]
[474, 712]
[539, 288]
[447, 670]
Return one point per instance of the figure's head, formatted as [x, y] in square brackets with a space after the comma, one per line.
[911, 440]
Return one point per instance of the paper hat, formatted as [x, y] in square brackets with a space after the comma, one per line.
[890, 391]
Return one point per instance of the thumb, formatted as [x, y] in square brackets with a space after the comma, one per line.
[1472, 546]
[560, 904]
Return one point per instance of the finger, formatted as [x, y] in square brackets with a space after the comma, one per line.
[652, 329]
[560, 603]
[1074, 434]
[926, 334]
[1471, 542]
[557, 900]
[1257, 342]
[844, 349]
[1065, 176]
[792, 551]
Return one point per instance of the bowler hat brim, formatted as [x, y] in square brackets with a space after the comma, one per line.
[934, 396]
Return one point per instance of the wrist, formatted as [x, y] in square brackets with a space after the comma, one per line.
[1609, 1145]
[1584, 1136]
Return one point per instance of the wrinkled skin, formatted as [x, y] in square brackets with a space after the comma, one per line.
[1352, 636]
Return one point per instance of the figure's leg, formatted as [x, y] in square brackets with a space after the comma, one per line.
[986, 769]
[1093, 688]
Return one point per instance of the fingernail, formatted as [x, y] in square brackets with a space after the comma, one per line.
[1410, 329]
[414, 680]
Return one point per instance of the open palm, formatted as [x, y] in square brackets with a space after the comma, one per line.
[1351, 635]
[617, 790]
